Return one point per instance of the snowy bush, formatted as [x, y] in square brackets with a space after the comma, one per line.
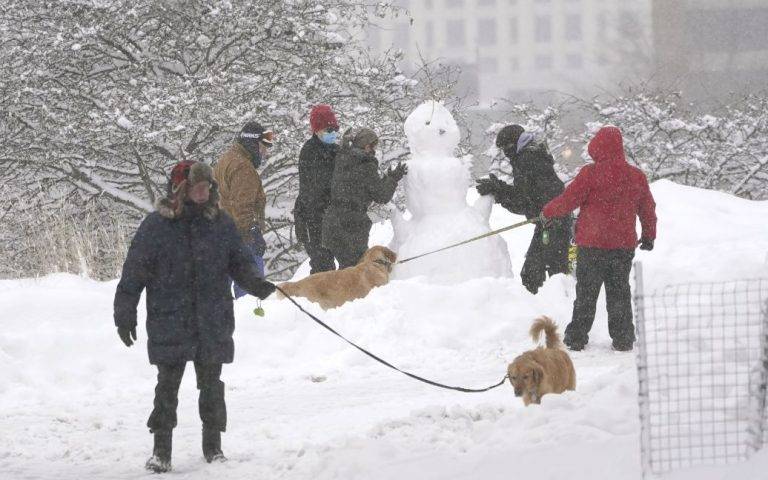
[724, 150]
[100, 99]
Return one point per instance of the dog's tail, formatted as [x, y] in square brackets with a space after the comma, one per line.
[550, 329]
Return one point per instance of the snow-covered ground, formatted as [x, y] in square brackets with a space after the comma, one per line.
[303, 404]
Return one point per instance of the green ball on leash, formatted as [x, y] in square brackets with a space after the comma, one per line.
[258, 311]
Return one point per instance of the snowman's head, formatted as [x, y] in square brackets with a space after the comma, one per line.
[432, 131]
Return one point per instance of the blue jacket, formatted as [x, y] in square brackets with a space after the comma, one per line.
[185, 262]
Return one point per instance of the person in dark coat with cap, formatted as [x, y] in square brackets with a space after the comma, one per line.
[356, 184]
[183, 254]
[534, 184]
[316, 162]
[610, 195]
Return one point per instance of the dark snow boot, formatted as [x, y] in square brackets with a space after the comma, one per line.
[212, 446]
[160, 461]
[622, 346]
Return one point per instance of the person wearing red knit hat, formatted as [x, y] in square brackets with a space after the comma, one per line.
[610, 195]
[316, 163]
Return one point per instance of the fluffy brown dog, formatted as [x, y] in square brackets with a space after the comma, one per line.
[543, 370]
[334, 288]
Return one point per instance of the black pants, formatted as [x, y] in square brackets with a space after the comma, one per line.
[320, 258]
[213, 410]
[595, 267]
[551, 258]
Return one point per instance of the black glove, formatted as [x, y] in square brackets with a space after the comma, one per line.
[399, 171]
[490, 186]
[258, 243]
[266, 289]
[646, 244]
[127, 335]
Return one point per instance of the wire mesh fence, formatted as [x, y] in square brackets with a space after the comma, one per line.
[702, 370]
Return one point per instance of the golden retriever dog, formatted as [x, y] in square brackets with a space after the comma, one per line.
[335, 288]
[544, 370]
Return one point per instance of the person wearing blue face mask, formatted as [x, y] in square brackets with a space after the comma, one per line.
[316, 163]
[241, 190]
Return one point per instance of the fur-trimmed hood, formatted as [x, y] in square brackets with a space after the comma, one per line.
[173, 206]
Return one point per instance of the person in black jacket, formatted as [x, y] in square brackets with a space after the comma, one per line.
[356, 184]
[184, 255]
[316, 162]
[535, 184]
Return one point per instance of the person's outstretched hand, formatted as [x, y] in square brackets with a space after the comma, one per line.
[266, 289]
[399, 171]
[127, 335]
[489, 186]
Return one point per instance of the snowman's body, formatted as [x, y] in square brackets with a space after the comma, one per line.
[436, 192]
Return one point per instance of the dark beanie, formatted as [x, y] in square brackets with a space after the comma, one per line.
[250, 136]
[508, 136]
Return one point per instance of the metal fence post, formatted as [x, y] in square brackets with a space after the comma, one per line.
[761, 390]
[642, 372]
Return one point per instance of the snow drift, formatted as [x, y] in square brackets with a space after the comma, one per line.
[302, 404]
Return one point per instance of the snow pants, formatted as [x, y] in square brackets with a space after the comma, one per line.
[309, 232]
[595, 267]
[550, 259]
[213, 410]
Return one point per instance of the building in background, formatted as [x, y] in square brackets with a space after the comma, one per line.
[525, 49]
[710, 48]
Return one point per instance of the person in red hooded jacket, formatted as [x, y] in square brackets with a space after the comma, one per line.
[610, 194]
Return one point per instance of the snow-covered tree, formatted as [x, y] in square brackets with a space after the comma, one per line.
[725, 150]
[100, 98]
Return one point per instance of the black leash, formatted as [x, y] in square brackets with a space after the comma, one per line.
[479, 237]
[416, 377]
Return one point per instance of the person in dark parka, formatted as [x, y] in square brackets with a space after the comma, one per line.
[356, 184]
[316, 162]
[183, 255]
[535, 184]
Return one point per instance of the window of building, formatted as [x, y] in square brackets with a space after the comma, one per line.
[573, 27]
[489, 65]
[455, 34]
[542, 31]
[629, 24]
[428, 4]
[486, 3]
[486, 32]
[514, 64]
[374, 37]
[602, 24]
[543, 62]
[429, 34]
[513, 32]
[402, 38]
[574, 61]
[454, 3]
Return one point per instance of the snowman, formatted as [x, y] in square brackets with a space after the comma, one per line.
[436, 197]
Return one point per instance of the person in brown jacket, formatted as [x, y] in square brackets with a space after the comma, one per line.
[241, 191]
